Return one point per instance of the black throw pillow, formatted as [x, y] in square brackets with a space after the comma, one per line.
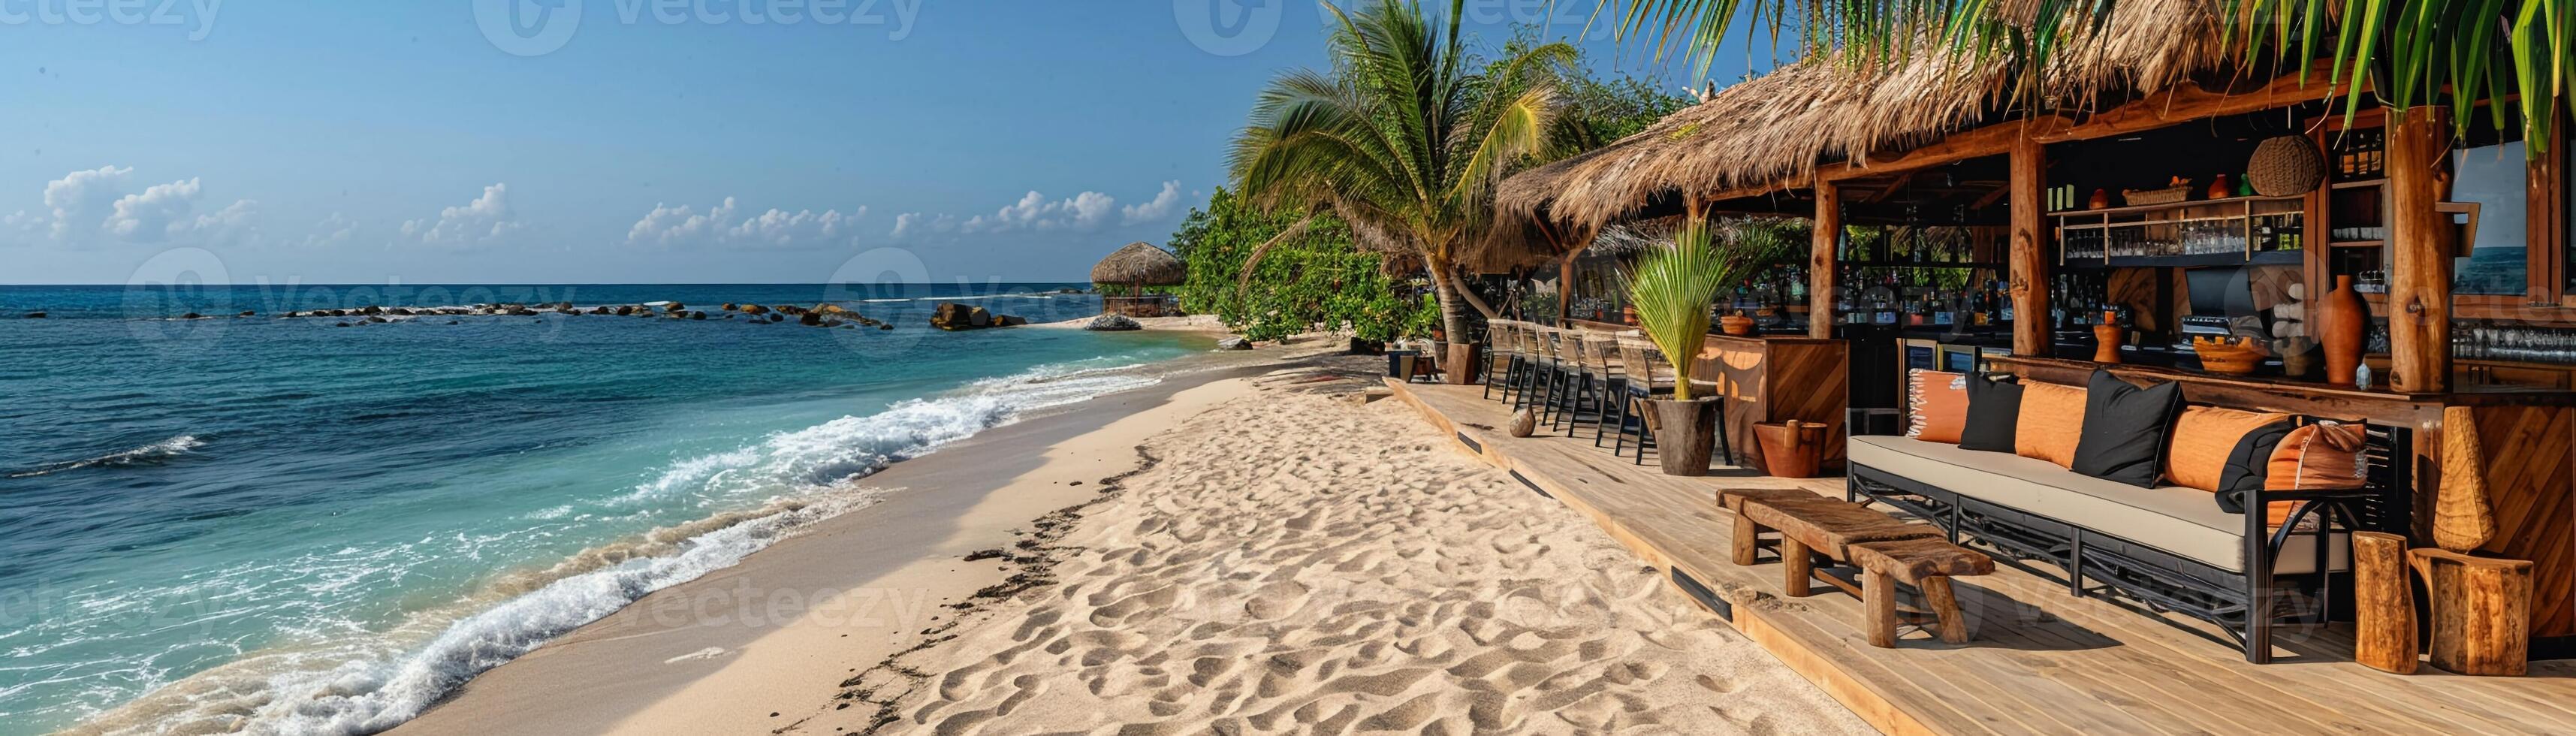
[1994, 410]
[2124, 430]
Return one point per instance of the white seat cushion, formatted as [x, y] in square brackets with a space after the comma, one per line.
[2182, 521]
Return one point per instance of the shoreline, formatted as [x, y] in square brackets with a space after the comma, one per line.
[778, 631]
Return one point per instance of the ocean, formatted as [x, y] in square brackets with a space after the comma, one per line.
[284, 525]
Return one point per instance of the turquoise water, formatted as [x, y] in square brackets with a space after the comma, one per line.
[283, 525]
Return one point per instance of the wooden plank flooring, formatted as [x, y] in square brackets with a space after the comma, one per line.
[2041, 660]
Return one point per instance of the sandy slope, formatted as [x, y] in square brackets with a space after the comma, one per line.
[1297, 563]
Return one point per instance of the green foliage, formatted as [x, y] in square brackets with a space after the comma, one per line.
[1674, 289]
[1403, 138]
[1313, 281]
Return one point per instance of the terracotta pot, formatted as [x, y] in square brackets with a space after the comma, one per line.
[2108, 337]
[2220, 189]
[2343, 321]
[1791, 450]
[2101, 199]
[1458, 365]
[1628, 316]
[1685, 434]
[1736, 324]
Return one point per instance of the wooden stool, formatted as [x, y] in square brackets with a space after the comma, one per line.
[2383, 598]
[2481, 608]
[1927, 563]
[1748, 537]
[1818, 525]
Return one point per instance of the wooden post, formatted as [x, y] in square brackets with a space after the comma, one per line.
[1798, 567]
[2031, 328]
[2419, 250]
[2481, 610]
[1821, 283]
[1878, 599]
[2463, 518]
[1748, 540]
[2384, 604]
[1565, 286]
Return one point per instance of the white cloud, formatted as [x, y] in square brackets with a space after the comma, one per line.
[154, 213]
[723, 225]
[1157, 210]
[94, 206]
[483, 220]
[911, 224]
[1085, 212]
[334, 231]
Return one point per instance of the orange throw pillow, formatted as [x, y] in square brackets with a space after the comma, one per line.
[2204, 438]
[2051, 422]
[1936, 406]
[2323, 455]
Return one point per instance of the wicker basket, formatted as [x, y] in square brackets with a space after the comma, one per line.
[2168, 195]
[2284, 166]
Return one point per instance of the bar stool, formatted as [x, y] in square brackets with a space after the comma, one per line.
[1589, 384]
[1502, 356]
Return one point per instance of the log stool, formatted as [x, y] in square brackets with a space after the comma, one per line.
[1817, 525]
[1927, 563]
[2481, 609]
[1748, 536]
[2383, 601]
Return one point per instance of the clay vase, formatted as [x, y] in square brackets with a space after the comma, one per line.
[1791, 450]
[2101, 199]
[2220, 189]
[2342, 322]
[2108, 336]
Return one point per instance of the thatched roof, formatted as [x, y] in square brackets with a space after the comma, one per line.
[1780, 126]
[1141, 264]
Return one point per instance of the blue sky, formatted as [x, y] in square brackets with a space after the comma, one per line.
[363, 142]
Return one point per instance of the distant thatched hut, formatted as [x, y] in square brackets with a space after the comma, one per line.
[1124, 275]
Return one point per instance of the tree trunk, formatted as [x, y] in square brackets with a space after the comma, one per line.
[1458, 359]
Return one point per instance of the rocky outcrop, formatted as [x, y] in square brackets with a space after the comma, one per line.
[1113, 323]
[953, 317]
[1234, 343]
[754, 309]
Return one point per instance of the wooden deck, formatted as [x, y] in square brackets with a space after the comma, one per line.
[2040, 660]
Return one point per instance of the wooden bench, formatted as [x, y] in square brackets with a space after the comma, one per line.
[1887, 551]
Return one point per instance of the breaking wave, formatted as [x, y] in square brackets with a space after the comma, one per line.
[154, 453]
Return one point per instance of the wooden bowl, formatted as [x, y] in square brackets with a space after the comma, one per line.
[2233, 356]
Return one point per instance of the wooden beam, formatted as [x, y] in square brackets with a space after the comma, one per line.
[2419, 238]
[2029, 257]
[1992, 140]
[2185, 103]
[1821, 284]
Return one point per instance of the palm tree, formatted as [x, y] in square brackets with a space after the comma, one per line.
[2406, 53]
[1403, 139]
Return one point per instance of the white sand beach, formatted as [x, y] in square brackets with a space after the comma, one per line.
[1294, 562]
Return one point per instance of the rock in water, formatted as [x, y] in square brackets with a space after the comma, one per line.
[754, 309]
[977, 317]
[810, 319]
[1234, 343]
[1113, 323]
[249, 313]
[953, 316]
[192, 315]
[1524, 422]
[35, 315]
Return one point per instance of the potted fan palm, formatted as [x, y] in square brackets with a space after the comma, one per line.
[1673, 289]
